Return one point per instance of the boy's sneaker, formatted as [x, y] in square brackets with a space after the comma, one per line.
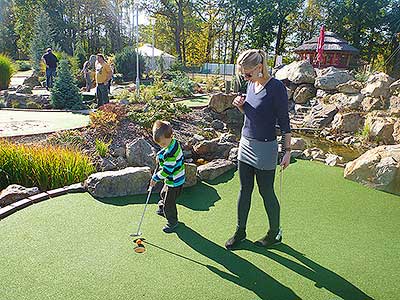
[160, 212]
[272, 238]
[169, 228]
[239, 236]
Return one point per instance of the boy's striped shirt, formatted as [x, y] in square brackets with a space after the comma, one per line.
[172, 165]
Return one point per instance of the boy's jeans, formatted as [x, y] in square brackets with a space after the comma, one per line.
[168, 202]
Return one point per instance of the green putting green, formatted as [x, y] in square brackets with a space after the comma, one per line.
[341, 241]
[196, 101]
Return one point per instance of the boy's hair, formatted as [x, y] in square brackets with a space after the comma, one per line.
[161, 129]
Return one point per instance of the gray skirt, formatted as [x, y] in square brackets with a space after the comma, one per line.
[258, 154]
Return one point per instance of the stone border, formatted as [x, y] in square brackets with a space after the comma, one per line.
[21, 204]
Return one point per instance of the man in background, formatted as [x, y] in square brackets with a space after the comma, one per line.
[51, 66]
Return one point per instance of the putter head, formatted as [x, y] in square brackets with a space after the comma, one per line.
[135, 234]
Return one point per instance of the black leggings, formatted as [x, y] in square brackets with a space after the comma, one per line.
[265, 181]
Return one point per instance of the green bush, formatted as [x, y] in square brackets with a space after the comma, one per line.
[102, 147]
[158, 110]
[47, 167]
[72, 139]
[6, 71]
[33, 105]
[181, 86]
[125, 63]
[23, 65]
[65, 93]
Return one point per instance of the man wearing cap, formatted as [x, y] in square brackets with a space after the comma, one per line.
[51, 66]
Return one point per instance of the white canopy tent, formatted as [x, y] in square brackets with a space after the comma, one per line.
[147, 51]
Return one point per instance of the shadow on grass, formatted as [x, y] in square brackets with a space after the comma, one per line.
[199, 197]
[323, 277]
[242, 272]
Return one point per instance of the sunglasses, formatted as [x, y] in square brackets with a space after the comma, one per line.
[249, 75]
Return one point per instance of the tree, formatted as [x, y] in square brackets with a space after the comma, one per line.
[65, 93]
[8, 37]
[43, 37]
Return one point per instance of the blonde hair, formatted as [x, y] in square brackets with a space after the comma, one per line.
[161, 129]
[249, 59]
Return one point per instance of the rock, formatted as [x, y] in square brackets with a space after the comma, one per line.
[217, 125]
[215, 168]
[321, 115]
[313, 153]
[140, 153]
[395, 88]
[32, 81]
[234, 117]
[396, 132]
[370, 104]
[378, 85]
[378, 168]
[190, 174]
[297, 72]
[16, 100]
[129, 181]
[118, 152]
[304, 93]
[15, 192]
[348, 122]
[346, 102]
[333, 160]
[298, 144]
[380, 127]
[331, 77]
[350, 87]
[221, 102]
[324, 94]
[227, 137]
[395, 105]
[296, 153]
[212, 149]
[107, 164]
[289, 93]
[233, 154]
[23, 89]
[122, 163]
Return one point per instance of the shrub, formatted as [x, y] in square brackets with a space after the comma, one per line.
[23, 65]
[102, 147]
[125, 63]
[46, 167]
[106, 119]
[6, 71]
[65, 93]
[33, 105]
[71, 139]
[181, 86]
[158, 110]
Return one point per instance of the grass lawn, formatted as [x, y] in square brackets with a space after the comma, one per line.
[196, 102]
[342, 241]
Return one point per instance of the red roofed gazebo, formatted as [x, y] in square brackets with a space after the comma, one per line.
[337, 51]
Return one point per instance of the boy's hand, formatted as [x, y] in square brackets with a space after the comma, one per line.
[152, 183]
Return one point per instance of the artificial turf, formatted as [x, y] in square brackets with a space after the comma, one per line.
[341, 241]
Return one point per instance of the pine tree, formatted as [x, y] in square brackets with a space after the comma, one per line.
[43, 38]
[65, 93]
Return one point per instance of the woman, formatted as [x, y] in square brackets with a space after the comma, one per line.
[265, 104]
[87, 69]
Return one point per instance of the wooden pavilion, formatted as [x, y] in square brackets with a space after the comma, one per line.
[337, 51]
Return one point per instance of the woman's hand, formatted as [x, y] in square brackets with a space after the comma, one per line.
[285, 160]
[239, 101]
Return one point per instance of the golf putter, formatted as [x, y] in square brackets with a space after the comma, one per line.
[138, 233]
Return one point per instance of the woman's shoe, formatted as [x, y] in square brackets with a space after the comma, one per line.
[239, 236]
[271, 239]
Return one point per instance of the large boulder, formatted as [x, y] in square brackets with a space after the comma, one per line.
[32, 81]
[321, 115]
[378, 85]
[396, 132]
[330, 78]
[297, 72]
[381, 127]
[190, 174]
[350, 87]
[234, 116]
[221, 102]
[370, 104]
[212, 149]
[17, 100]
[347, 102]
[378, 168]
[395, 105]
[23, 89]
[304, 93]
[15, 192]
[298, 144]
[140, 153]
[215, 168]
[395, 88]
[129, 181]
[348, 122]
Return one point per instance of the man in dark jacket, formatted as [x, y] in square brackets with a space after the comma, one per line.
[51, 66]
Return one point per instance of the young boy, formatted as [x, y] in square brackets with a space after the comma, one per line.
[172, 172]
